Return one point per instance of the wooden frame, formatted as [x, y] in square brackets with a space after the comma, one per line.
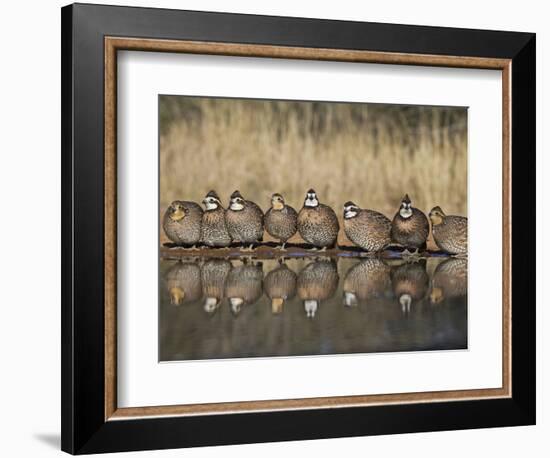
[513, 54]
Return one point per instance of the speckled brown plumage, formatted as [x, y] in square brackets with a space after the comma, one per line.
[317, 223]
[214, 274]
[317, 282]
[411, 232]
[244, 285]
[183, 283]
[280, 286]
[182, 222]
[450, 232]
[368, 279]
[281, 219]
[245, 225]
[450, 279]
[214, 232]
[410, 283]
[367, 229]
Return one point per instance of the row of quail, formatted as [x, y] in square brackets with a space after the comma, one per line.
[244, 222]
[368, 279]
[244, 284]
[409, 228]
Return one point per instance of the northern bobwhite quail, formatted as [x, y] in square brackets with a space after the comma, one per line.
[367, 229]
[450, 232]
[317, 223]
[245, 220]
[281, 220]
[410, 227]
[182, 222]
[214, 231]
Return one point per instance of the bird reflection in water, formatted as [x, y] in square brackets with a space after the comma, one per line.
[367, 279]
[450, 280]
[410, 283]
[317, 282]
[183, 283]
[280, 286]
[214, 274]
[244, 285]
[310, 306]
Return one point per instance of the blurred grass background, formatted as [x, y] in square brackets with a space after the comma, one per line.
[371, 154]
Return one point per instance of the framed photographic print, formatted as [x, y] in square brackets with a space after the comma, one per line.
[281, 228]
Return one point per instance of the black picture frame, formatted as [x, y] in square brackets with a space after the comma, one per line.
[84, 428]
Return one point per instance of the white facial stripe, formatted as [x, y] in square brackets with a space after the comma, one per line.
[310, 307]
[350, 299]
[236, 304]
[210, 204]
[236, 205]
[405, 212]
[210, 304]
[350, 213]
[311, 202]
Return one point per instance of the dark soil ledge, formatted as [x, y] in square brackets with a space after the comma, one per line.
[270, 250]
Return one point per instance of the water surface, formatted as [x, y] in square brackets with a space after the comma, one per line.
[213, 308]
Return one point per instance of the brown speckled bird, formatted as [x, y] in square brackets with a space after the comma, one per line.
[214, 274]
[410, 283]
[317, 223]
[244, 285]
[450, 232]
[367, 229]
[450, 279]
[317, 282]
[182, 222]
[214, 231]
[280, 286]
[410, 227]
[368, 279]
[183, 283]
[280, 220]
[245, 220]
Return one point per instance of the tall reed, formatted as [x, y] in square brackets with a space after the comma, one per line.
[369, 153]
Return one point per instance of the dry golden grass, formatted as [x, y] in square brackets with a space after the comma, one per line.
[370, 154]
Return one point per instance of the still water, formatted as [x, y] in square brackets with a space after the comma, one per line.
[216, 308]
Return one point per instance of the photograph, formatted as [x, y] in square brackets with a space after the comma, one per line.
[251, 196]
[307, 228]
